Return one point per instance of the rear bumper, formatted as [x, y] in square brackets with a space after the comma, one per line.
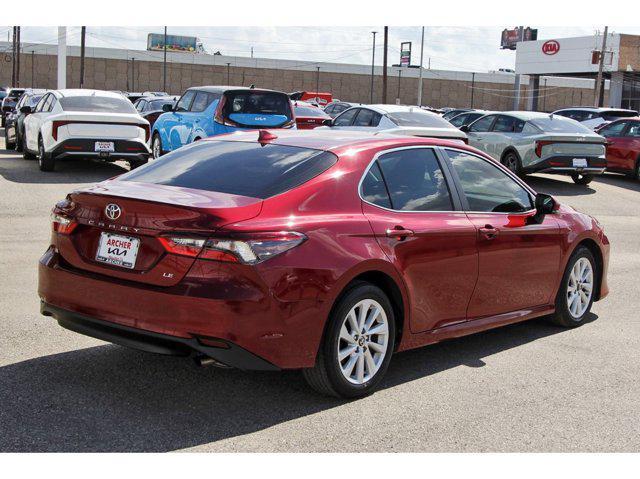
[85, 148]
[228, 354]
[564, 165]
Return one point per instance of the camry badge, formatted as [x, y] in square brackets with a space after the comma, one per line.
[112, 211]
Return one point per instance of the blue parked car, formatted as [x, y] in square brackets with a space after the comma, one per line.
[214, 110]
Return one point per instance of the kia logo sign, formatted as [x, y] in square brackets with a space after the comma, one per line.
[550, 47]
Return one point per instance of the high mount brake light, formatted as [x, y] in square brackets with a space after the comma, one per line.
[251, 249]
[62, 225]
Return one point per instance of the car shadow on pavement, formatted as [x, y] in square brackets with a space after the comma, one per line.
[108, 398]
[18, 170]
[621, 181]
[562, 186]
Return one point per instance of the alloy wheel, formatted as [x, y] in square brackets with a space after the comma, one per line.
[156, 148]
[580, 288]
[511, 162]
[363, 340]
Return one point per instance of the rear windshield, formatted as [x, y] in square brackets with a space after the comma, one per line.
[102, 104]
[559, 124]
[418, 118]
[252, 102]
[611, 115]
[309, 111]
[237, 168]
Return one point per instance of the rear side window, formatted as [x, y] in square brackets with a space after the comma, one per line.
[504, 124]
[482, 124]
[237, 168]
[415, 180]
[418, 118]
[345, 119]
[102, 104]
[373, 188]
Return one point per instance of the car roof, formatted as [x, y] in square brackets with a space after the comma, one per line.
[594, 109]
[85, 92]
[339, 142]
[224, 88]
[384, 109]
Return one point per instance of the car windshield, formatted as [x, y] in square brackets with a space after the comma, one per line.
[418, 118]
[257, 102]
[101, 104]
[158, 104]
[225, 166]
[611, 115]
[559, 124]
[309, 111]
[15, 93]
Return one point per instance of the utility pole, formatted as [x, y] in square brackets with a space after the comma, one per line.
[228, 73]
[516, 86]
[373, 62]
[317, 84]
[544, 96]
[18, 59]
[384, 65]
[399, 77]
[13, 56]
[62, 58]
[597, 100]
[251, 52]
[420, 79]
[164, 62]
[83, 32]
[473, 87]
[33, 81]
[133, 78]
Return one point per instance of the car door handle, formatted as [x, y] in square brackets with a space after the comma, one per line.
[399, 232]
[489, 232]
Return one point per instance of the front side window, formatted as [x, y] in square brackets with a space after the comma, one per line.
[613, 130]
[483, 124]
[486, 187]
[634, 129]
[415, 180]
[459, 120]
[364, 118]
[344, 119]
[505, 124]
[185, 102]
[202, 101]
[40, 104]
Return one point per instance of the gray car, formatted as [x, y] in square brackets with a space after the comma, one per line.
[532, 142]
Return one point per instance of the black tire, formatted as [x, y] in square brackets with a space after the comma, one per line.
[45, 161]
[562, 316]
[19, 142]
[133, 164]
[512, 161]
[156, 150]
[26, 154]
[8, 145]
[579, 179]
[636, 172]
[326, 377]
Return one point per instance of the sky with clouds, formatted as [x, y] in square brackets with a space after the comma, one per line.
[448, 48]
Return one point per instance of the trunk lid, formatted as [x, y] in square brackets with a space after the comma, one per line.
[146, 212]
[570, 144]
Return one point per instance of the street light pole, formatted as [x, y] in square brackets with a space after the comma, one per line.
[420, 79]
[317, 84]
[228, 73]
[373, 62]
[399, 77]
[164, 62]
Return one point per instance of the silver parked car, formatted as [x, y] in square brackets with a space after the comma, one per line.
[397, 120]
[532, 142]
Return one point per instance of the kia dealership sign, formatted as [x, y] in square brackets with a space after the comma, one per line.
[550, 47]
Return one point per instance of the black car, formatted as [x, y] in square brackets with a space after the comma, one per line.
[152, 106]
[466, 118]
[9, 102]
[455, 112]
[14, 121]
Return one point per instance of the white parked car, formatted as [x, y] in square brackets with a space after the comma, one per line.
[398, 120]
[78, 124]
[595, 117]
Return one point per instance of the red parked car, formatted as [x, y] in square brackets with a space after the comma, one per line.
[308, 116]
[317, 251]
[623, 146]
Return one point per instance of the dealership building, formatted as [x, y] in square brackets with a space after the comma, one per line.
[578, 57]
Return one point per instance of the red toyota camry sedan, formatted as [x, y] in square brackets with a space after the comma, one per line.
[315, 250]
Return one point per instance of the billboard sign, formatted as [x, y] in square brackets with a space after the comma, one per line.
[405, 54]
[175, 43]
[519, 34]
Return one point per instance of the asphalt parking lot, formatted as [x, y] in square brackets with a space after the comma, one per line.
[526, 387]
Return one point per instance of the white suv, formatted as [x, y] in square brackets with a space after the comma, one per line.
[78, 124]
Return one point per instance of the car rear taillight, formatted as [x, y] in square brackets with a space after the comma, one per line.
[147, 131]
[539, 145]
[219, 114]
[62, 225]
[251, 249]
[55, 126]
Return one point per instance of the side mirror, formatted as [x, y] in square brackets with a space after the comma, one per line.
[327, 122]
[464, 128]
[545, 204]
[25, 109]
[167, 107]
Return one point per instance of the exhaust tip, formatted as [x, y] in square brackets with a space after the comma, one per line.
[204, 361]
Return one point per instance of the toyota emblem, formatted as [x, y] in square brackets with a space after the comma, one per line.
[112, 211]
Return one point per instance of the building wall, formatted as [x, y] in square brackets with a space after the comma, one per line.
[440, 88]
